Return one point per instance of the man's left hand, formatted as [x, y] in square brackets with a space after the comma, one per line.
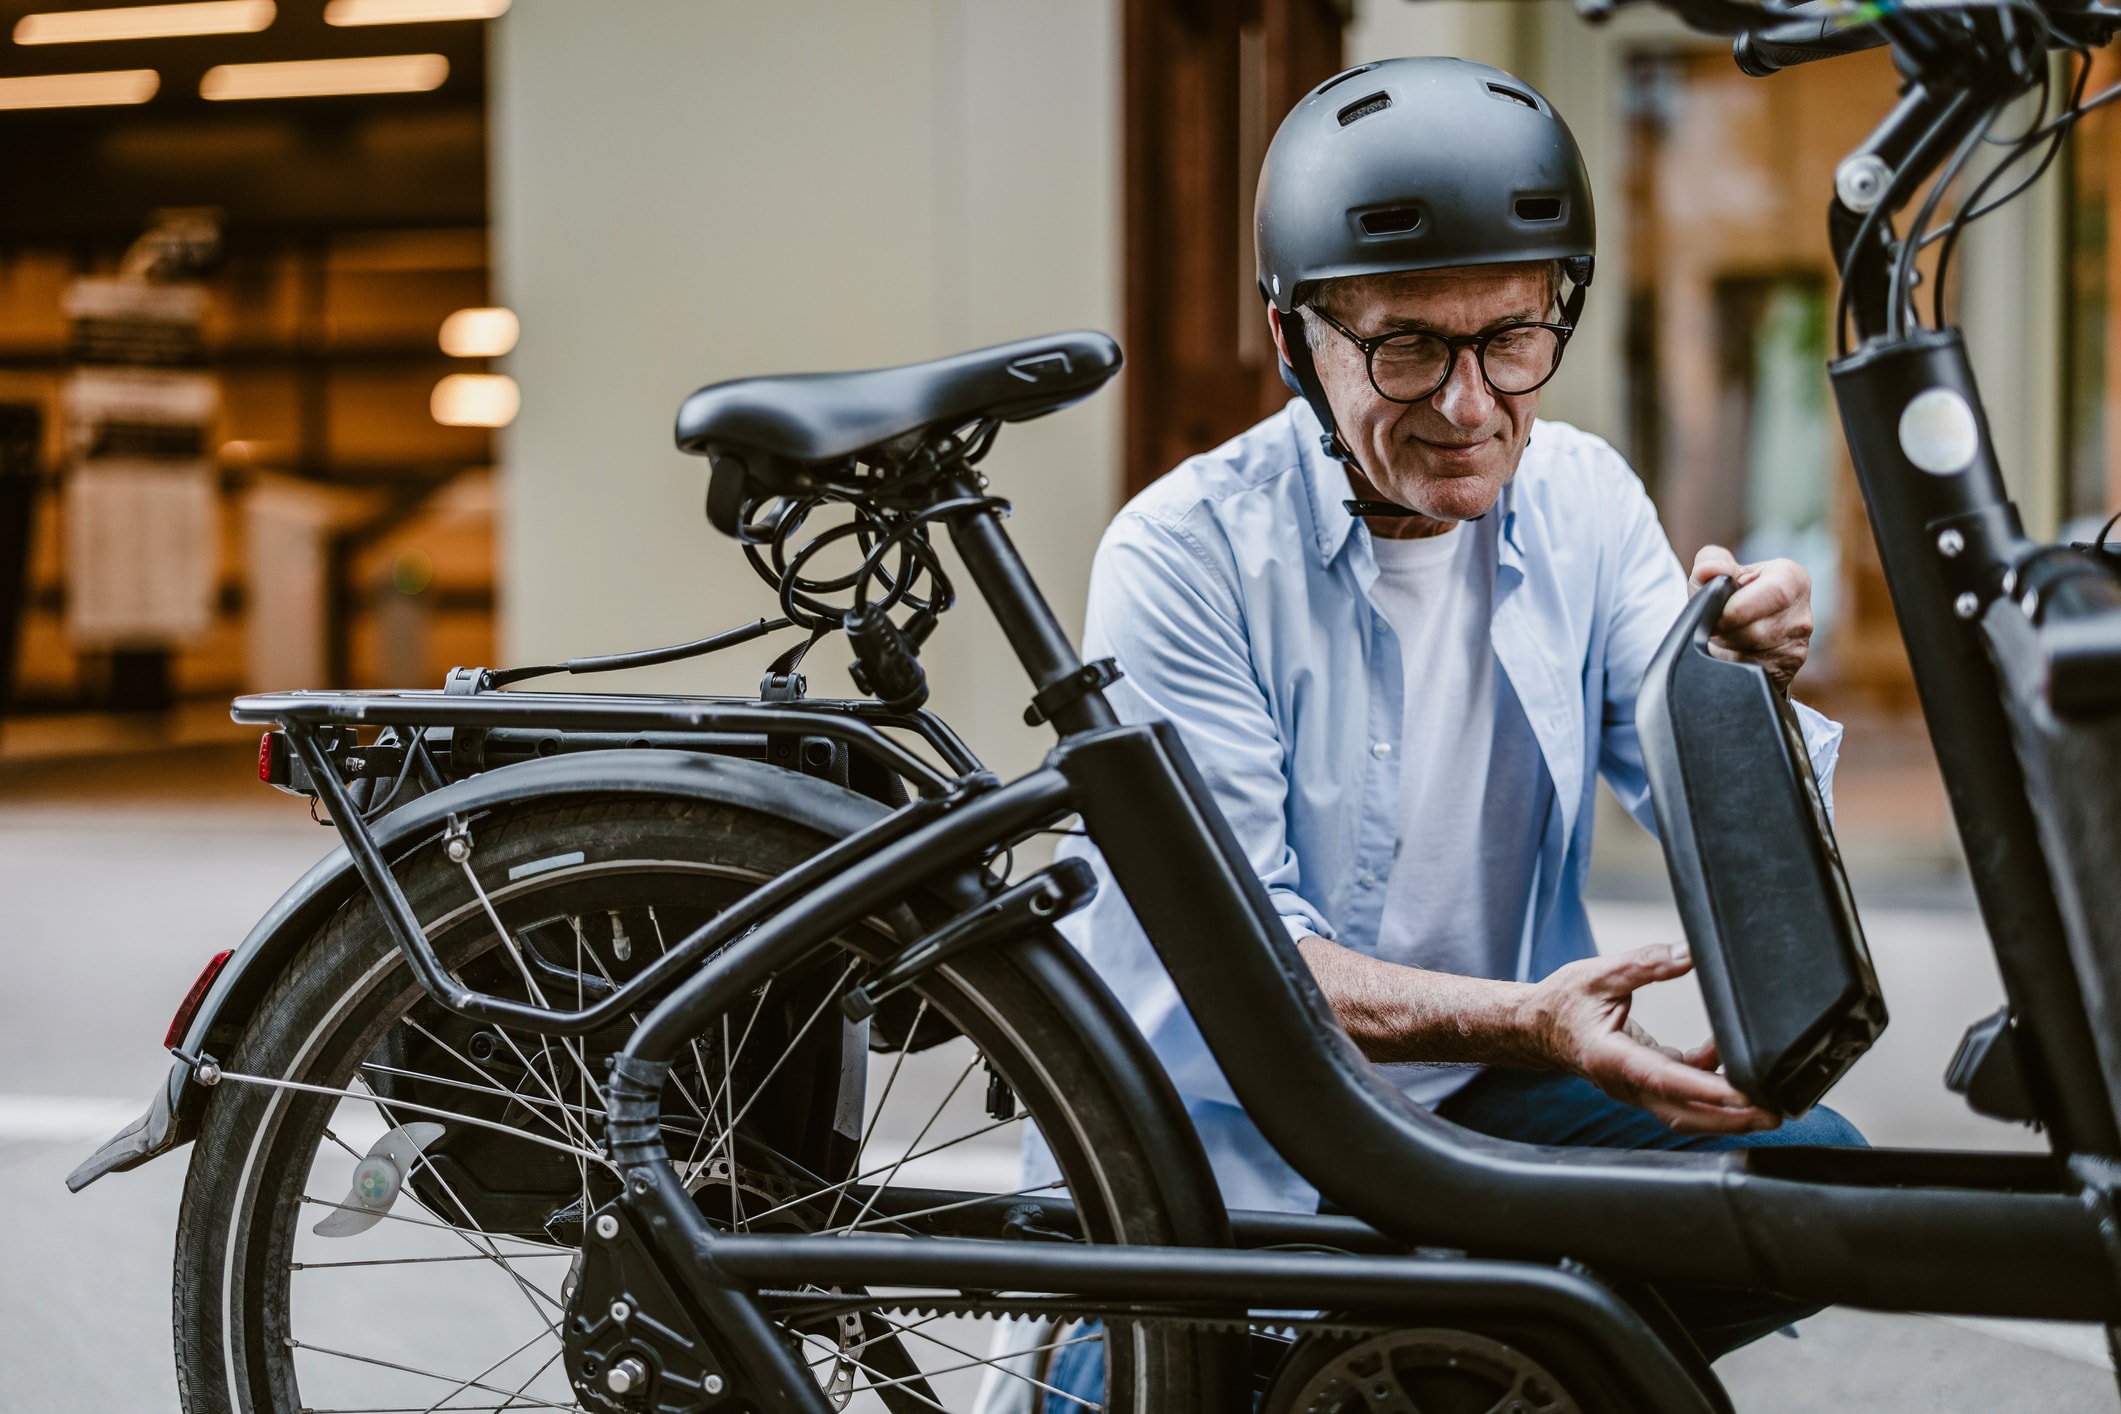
[1768, 619]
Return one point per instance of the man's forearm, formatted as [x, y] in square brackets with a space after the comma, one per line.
[1398, 1013]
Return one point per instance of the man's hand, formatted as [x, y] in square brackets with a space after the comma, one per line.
[1576, 1020]
[1768, 619]
[1578, 1016]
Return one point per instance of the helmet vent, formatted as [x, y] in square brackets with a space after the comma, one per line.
[1342, 77]
[1511, 95]
[1364, 107]
[1396, 222]
[1539, 208]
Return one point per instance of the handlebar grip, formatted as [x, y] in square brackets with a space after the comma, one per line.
[1761, 52]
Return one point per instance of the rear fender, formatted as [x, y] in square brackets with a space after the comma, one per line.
[172, 1118]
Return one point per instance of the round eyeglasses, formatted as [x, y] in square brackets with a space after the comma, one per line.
[1409, 368]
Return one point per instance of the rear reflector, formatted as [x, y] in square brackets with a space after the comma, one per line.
[181, 1022]
[272, 758]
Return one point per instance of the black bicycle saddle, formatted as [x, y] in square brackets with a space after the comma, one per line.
[827, 417]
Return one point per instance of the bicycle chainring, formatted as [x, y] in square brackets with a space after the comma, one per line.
[1415, 1371]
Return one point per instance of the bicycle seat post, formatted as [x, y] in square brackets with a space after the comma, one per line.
[1027, 621]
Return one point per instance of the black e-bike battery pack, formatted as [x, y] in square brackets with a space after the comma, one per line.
[1761, 890]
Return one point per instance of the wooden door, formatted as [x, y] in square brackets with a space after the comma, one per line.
[1207, 82]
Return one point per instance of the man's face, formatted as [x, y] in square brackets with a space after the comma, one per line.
[1450, 455]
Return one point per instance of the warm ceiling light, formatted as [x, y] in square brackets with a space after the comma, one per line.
[411, 12]
[326, 78]
[79, 90]
[480, 333]
[145, 22]
[475, 400]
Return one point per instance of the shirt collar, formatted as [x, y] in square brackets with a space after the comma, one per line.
[1327, 481]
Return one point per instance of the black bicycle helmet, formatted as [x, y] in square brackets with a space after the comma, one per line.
[1416, 164]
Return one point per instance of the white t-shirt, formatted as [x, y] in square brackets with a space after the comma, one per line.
[1473, 788]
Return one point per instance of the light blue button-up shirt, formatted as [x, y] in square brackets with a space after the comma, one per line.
[1234, 594]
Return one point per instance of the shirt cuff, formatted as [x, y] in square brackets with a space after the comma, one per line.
[1822, 742]
[1302, 926]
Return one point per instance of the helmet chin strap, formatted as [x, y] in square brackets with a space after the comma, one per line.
[1300, 371]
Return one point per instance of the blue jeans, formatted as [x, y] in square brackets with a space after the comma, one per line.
[1546, 1107]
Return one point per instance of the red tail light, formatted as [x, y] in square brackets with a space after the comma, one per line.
[272, 758]
[181, 1022]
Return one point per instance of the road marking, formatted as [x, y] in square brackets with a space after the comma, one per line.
[59, 1119]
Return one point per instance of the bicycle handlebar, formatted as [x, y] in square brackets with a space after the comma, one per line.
[1762, 52]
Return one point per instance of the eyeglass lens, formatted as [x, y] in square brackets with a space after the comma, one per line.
[1517, 359]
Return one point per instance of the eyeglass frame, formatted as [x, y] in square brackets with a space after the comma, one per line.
[1452, 343]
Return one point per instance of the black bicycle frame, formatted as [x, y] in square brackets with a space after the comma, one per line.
[2022, 1235]
[1995, 1234]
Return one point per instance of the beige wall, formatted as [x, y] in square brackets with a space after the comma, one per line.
[689, 190]
[692, 190]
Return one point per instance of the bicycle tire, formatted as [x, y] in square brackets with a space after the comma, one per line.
[348, 998]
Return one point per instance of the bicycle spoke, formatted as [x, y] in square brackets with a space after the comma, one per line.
[991, 1362]
[532, 1293]
[935, 1115]
[973, 1201]
[877, 1379]
[432, 1079]
[736, 1197]
[794, 1044]
[973, 1362]
[415, 1261]
[693, 1162]
[473, 1382]
[513, 1399]
[517, 1096]
[846, 1183]
[898, 1063]
[433, 1335]
[294, 1344]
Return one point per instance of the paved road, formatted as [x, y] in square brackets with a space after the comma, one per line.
[108, 908]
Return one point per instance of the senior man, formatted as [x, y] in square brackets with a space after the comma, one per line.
[1400, 626]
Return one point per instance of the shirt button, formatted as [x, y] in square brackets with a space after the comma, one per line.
[1367, 878]
[1380, 749]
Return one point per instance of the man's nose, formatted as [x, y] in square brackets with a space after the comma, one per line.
[1465, 399]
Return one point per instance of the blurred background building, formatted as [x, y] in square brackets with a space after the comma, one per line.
[340, 343]
[314, 228]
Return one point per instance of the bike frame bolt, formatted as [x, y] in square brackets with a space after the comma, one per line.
[1967, 605]
[712, 1384]
[607, 1226]
[1950, 543]
[206, 1072]
[620, 1311]
[640, 1188]
[457, 850]
[626, 1376]
[1860, 182]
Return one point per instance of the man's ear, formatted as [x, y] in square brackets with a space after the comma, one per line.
[1281, 343]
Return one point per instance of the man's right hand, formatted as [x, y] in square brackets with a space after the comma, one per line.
[1578, 1018]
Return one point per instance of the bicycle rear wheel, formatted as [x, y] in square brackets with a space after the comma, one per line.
[407, 1240]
